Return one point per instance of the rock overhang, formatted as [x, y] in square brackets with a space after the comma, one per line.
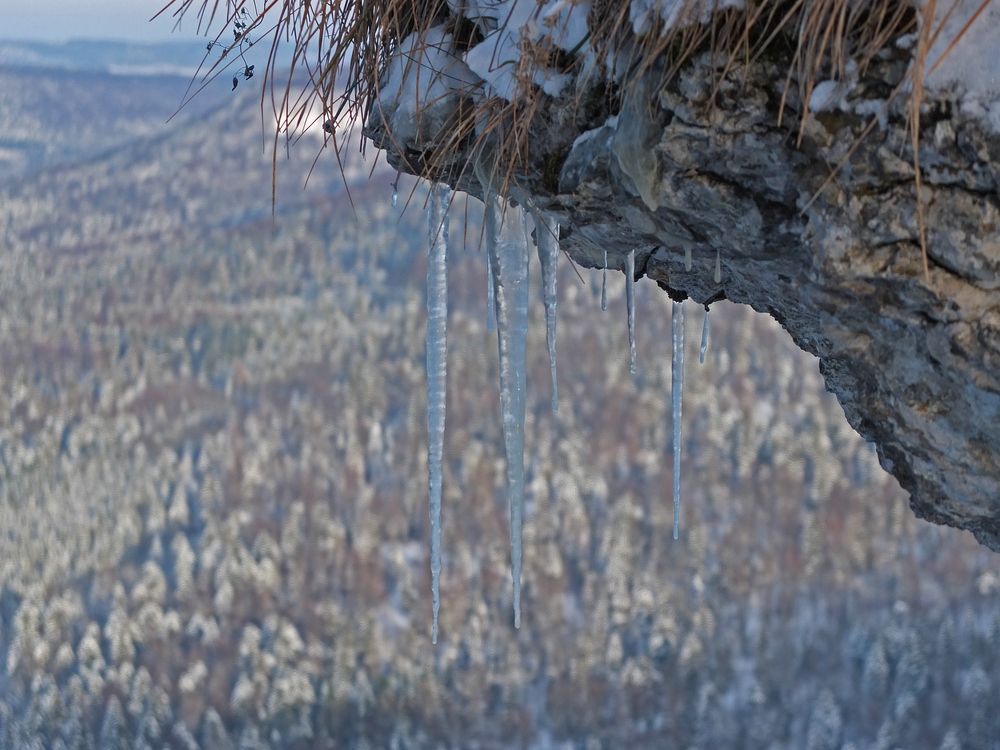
[722, 161]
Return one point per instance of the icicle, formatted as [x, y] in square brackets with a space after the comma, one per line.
[704, 338]
[491, 299]
[630, 302]
[437, 369]
[718, 268]
[677, 396]
[687, 259]
[507, 246]
[604, 283]
[395, 196]
[547, 235]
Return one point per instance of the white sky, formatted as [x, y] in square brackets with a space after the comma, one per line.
[60, 20]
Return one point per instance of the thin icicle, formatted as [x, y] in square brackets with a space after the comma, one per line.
[395, 195]
[688, 258]
[491, 299]
[508, 249]
[630, 301]
[604, 283]
[718, 268]
[437, 371]
[547, 235]
[677, 397]
[492, 227]
[704, 338]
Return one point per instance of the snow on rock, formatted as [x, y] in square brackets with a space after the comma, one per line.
[511, 28]
[423, 86]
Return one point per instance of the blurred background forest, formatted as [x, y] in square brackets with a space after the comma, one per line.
[213, 481]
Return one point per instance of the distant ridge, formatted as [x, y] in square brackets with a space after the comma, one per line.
[110, 56]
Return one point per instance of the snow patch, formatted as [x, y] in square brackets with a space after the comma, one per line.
[423, 76]
[512, 28]
[973, 63]
[971, 69]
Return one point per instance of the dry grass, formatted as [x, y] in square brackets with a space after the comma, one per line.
[342, 47]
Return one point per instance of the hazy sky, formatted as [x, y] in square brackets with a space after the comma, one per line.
[59, 20]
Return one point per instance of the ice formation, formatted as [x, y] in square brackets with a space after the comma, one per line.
[491, 299]
[437, 371]
[429, 76]
[506, 244]
[630, 302]
[508, 291]
[704, 338]
[677, 396]
[547, 237]
[604, 283]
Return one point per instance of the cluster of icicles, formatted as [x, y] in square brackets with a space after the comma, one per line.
[507, 312]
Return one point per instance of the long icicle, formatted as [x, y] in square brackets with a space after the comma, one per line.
[630, 302]
[547, 236]
[604, 283]
[491, 300]
[437, 372]
[677, 397]
[509, 261]
[704, 338]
